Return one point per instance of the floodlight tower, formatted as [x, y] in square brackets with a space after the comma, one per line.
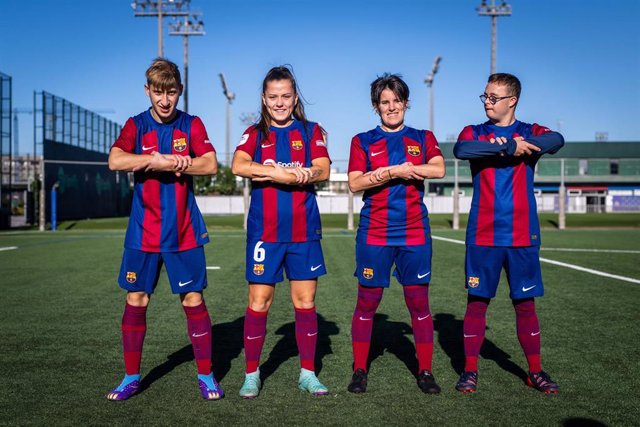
[160, 8]
[230, 97]
[429, 81]
[494, 12]
[191, 26]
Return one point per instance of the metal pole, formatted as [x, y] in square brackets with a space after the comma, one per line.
[456, 197]
[160, 50]
[562, 199]
[494, 41]
[42, 218]
[186, 73]
[227, 142]
[431, 126]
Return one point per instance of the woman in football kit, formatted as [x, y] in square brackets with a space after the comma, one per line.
[284, 154]
[390, 163]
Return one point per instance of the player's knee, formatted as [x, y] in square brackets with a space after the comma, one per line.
[260, 305]
[303, 304]
[191, 299]
[138, 299]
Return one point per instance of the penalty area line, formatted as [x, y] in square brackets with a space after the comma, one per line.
[561, 264]
[8, 248]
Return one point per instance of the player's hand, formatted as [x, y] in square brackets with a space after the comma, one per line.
[159, 162]
[523, 147]
[499, 140]
[377, 176]
[406, 171]
[181, 163]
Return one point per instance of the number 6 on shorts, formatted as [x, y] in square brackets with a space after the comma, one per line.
[259, 254]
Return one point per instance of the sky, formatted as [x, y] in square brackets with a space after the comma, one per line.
[578, 60]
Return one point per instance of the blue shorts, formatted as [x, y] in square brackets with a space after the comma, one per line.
[373, 264]
[187, 270]
[483, 265]
[301, 261]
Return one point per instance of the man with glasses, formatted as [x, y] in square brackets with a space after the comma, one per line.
[503, 229]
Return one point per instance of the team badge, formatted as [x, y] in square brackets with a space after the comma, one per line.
[258, 269]
[414, 150]
[131, 276]
[180, 144]
[367, 273]
[473, 282]
[296, 145]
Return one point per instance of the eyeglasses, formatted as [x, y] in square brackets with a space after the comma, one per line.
[493, 99]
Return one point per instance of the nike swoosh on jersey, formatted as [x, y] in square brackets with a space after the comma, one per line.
[376, 153]
[147, 148]
[266, 145]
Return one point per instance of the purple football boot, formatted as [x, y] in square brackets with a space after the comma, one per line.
[209, 387]
[127, 388]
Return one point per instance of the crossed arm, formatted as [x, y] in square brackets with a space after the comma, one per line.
[120, 160]
[244, 166]
[549, 142]
[360, 181]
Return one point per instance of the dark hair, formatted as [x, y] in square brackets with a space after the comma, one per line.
[282, 72]
[163, 74]
[508, 80]
[389, 81]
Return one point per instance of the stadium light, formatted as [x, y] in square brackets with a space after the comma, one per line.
[494, 12]
[191, 26]
[160, 8]
[429, 81]
[230, 97]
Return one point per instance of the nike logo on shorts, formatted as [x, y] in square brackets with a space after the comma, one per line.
[314, 268]
[528, 289]
[180, 284]
[420, 276]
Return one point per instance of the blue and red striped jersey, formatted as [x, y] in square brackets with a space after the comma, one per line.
[503, 206]
[284, 213]
[393, 214]
[164, 215]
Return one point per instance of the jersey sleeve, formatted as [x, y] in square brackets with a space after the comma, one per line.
[547, 140]
[432, 147]
[357, 156]
[127, 139]
[318, 143]
[249, 141]
[468, 147]
[200, 143]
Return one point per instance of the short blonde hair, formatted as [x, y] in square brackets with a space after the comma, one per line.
[163, 74]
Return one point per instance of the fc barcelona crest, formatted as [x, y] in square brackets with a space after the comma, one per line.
[180, 144]
[367, 273]
[473, 282]
[258, 269]
[414, 150]
[296, 145]
[131, 276]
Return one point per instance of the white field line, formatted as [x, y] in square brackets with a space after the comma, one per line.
[8, 248]
[609, 251]
[213, 267]
[561, 264]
